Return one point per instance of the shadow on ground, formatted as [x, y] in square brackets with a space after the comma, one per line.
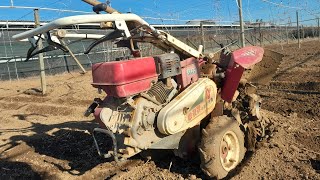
[70, 142]
[17, 170]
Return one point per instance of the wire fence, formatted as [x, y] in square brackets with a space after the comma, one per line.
[13, 54]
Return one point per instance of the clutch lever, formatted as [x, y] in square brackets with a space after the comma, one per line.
[51, 46]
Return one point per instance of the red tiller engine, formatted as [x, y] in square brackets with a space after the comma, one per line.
[130, 77]
[147, 96]
[137, 90]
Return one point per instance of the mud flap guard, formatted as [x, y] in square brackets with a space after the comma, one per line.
[263, 72]
[114, 141]
[241, 59]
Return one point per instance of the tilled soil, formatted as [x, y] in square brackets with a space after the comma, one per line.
[47, 137]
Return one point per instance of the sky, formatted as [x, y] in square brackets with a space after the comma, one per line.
[174, 11]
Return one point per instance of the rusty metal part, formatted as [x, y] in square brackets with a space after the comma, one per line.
[208, 70]
[251, 137]
[114, 141]
[218, 110]
[160, 92]
[254, 104]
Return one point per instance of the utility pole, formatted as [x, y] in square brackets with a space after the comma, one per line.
[298, 29]
[202, 35]
[260, 35]
[242, 39]
[41, 63]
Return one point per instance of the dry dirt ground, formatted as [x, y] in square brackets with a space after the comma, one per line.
[46, 137]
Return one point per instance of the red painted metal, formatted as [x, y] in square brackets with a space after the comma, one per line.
[125, 78]
[190, 72]
[240, 59]
[248, 56]
[97, 118]
[231, 81]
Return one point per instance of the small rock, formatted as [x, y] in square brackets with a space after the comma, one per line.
[192, 177]
[276, 144]
[294, 115]
[295, 160]
[285, 125]
[290, 129]
[296, 166]
[267, 120]
[271, 146]
[295, 148]
[33, 91]
[264, 144]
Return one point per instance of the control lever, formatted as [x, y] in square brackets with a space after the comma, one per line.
[113, 35]
[96, 102]
[51, 46]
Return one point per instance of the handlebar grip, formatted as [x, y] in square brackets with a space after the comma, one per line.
[108, 9]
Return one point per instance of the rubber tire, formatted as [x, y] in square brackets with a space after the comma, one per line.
[209, 147]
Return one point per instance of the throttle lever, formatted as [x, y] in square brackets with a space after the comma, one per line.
[113, 35]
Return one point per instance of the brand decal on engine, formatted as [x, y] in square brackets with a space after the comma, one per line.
[201, 104]
[191, 71]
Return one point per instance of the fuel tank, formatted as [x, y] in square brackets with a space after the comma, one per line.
[125, 78]
[188, 108]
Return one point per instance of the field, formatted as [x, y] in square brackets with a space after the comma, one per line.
[47, 136]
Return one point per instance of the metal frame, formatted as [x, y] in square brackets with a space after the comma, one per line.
[82, 19]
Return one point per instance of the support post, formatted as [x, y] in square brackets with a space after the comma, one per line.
[318, 28]
[202, 35]
[73, 56]
[241, 24]
[302, 29]
[260, 35]
[298, 29]
[41, 62]
[287, 34]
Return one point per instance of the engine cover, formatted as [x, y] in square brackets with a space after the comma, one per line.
[188, 108]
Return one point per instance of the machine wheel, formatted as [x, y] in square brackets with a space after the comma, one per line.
[222, 147]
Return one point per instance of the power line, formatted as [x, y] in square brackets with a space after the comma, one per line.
[280, 5]
[45, 8]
